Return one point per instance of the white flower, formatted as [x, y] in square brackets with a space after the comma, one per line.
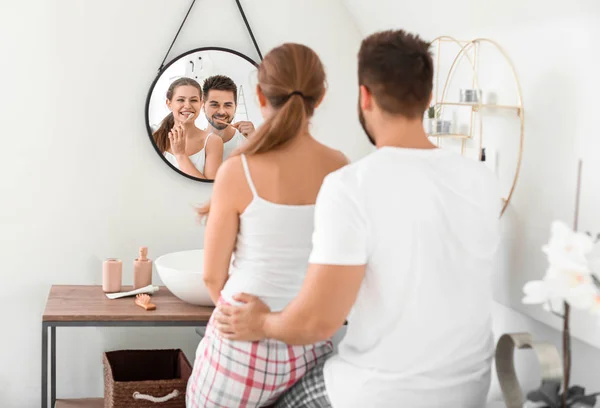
[536, 292]
[582, 297]
[574, 262]
[544, 292]
[568, 249]
[561, 285]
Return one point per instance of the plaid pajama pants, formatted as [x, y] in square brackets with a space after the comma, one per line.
[230, 374]
[309, 392]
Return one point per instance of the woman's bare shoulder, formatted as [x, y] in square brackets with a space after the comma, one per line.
[333, 157]
[230, 182]
[231, 171]
[213, 140]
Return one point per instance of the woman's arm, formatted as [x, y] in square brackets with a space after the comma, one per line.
[214, 156]
[222, 226]
[177, 141]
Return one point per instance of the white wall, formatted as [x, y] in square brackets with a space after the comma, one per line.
[80, 180]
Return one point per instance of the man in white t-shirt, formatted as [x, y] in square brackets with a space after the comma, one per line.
[220, 104]
[403, 247]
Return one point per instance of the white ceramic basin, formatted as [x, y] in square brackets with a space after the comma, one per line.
[181, 272]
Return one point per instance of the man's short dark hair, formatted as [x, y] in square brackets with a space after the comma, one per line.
[397, 68]
[219, 83]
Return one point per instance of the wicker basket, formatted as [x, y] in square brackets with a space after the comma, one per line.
[145, 378]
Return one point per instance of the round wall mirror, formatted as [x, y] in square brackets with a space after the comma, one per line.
[200, 108]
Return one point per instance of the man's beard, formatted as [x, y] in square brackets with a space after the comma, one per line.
[361, 119]
[218, 125]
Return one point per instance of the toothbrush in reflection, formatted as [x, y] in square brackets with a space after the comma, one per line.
[225, 123]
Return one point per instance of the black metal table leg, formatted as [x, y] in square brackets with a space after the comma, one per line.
[44, 365]
[53, 365]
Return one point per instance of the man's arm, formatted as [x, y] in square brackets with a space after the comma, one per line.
[321, 307]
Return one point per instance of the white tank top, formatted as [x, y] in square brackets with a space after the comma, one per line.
[197, 159]
[236, 141]
[272, 250]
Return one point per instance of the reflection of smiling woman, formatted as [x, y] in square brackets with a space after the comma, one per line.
[186, 147]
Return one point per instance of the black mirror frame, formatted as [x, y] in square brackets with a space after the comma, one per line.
[149, 96]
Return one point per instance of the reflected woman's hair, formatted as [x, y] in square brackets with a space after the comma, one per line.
[292, 79]
[161, 135]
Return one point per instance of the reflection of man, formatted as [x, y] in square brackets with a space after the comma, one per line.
[220, 96]
[405, 239]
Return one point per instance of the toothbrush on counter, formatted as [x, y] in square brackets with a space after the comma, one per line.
[146, 289]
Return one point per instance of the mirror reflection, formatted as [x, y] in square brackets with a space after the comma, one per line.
[201, 108]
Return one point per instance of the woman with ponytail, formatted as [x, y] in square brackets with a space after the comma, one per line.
[186, 147]
[258, 234]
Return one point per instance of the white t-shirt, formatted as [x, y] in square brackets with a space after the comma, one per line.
[426, 224]
[236, 141]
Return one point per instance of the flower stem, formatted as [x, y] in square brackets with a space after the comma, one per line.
[566, 352]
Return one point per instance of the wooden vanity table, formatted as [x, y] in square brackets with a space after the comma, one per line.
[88, 306]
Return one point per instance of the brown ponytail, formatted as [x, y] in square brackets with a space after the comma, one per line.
[292, 79]
[161, 135]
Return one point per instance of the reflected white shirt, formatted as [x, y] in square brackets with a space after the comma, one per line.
[236, 141]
